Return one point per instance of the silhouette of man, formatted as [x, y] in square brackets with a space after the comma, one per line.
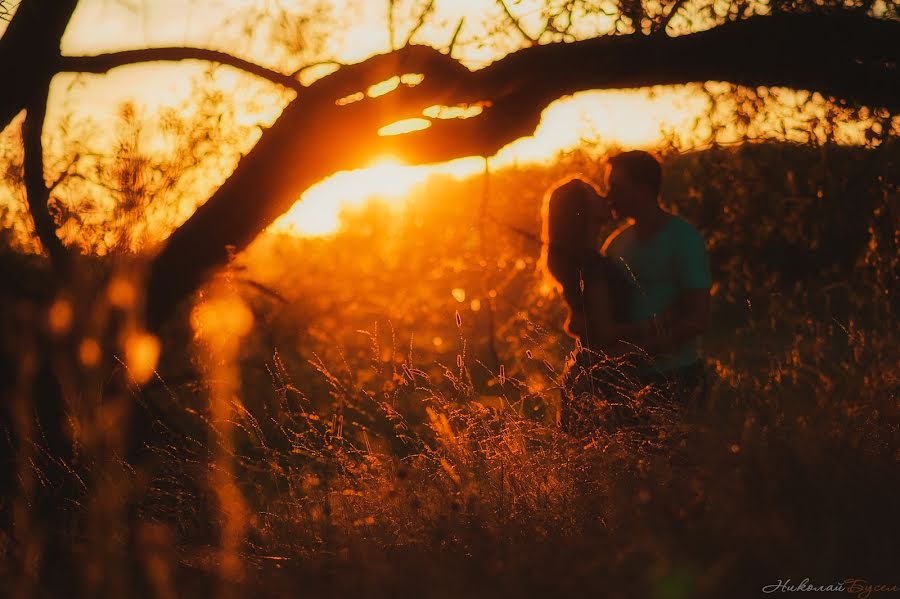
[665, 258]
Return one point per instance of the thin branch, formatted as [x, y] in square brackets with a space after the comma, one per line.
[455, 37]
[516, 23]
[103, 63]
[67, 173]
[5, 11]
[673, 10]
[390, 17]
[36, 190]
[419, 22]
[264, 290]
[79, 176]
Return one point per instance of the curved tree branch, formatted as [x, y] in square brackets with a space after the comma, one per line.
[29, 49]
[103, 63]
[36, 189]
[845, 56]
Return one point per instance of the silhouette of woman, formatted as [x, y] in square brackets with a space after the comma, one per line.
[598, 297]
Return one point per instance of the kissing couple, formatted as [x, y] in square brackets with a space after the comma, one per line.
[637, 307]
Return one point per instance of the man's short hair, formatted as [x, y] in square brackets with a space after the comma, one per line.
[641, 167]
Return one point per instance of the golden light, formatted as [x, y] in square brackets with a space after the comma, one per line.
[626, 119]
[141, 355]
[387, 180]
[389, 85]
[220, 317]
[350, 99]
[453, 112]
[385, 87]
[89, 352]
[412, 79]
[121, 293]
[59, 317]
[404, 126]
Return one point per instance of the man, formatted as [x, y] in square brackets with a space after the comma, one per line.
[665, 258]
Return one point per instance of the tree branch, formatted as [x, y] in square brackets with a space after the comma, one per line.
[30, 49]
[68, 172]
[853, 58]
[455, 37]
[36, 190]
[103, 63]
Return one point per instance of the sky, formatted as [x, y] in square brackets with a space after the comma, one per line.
[625, 118]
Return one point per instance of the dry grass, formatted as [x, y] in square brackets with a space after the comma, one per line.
[364, 431]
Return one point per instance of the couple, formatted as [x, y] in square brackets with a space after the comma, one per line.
[636, 308]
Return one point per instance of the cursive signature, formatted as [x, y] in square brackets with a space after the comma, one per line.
[856, 586]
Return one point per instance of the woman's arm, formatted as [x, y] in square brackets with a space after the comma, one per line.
[602, 331]
[684, 320]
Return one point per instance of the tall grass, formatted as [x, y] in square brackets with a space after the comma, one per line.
[375, 413]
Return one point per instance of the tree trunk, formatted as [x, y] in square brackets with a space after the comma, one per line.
[30, 50]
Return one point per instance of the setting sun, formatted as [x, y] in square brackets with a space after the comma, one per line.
[598, 119]
[387, 180]
[609, 118]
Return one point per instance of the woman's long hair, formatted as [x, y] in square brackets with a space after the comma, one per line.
[564, 256]
[565, 215]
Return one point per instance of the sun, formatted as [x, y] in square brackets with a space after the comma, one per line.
[387, 179]
[318, 210]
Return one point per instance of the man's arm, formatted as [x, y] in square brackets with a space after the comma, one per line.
[602, 331]
[689, 315]
[687, 319]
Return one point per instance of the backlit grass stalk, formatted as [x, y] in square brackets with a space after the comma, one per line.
[220, 320]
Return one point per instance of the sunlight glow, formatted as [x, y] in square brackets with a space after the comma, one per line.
[625, 119]
[141, 355]
[387, 180]
[59, 317]
[384, 87]
[389, 85]
[350, 99]
[453, 112]
[404, 126]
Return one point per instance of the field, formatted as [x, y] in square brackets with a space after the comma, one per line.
[373, 413]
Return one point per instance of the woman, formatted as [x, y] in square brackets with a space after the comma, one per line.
[597, 294]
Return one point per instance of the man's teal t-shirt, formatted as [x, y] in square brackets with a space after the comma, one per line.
[661, 268]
